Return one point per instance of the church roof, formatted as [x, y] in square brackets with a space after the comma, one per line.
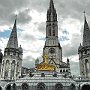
[13, 41]
[86, 33]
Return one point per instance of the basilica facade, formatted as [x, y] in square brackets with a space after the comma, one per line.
[52, 73]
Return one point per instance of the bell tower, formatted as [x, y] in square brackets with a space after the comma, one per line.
[12, 59]
[84, 51]
[52, 46]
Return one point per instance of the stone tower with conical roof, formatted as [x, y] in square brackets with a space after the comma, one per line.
[84, 51]
[52, 46]
[12, 59]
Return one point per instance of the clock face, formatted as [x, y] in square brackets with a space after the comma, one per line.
[52, 50]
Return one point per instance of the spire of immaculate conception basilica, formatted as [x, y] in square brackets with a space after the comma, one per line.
[86, 33]
[52, 47]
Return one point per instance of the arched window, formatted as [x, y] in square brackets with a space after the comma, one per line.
[58, 86]
[61, 71]
[25, 86]
[14, 87]
[66, 70]
[41, 86]
[8, 87]
[0, 88]
[86, 66]
[53, 32]
[12, 69]
[49, 31]
[7, 68]
[42, 75]
[72, 87]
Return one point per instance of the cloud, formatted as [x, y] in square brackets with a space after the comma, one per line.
[42, 27]
[30, 64]
[74, 68]
[72, 47]
[7, 8]
[23, 17]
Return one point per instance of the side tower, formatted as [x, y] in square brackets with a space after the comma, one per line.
[1, 56]
[12, 59]
[84, 52]
[52, 46]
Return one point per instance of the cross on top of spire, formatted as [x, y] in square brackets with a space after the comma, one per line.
[84, 15]
[15, 21]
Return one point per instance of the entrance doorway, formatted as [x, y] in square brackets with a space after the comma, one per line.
[0, 88]
[8, 87]
[86, 87]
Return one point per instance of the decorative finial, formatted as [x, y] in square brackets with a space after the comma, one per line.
[15, 21]
[84, 15]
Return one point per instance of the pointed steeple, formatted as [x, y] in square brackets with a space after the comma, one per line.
[51, 4]
[86, 33]
[13, 41]
[51, 13]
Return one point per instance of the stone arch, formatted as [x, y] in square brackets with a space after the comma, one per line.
[60, 71]
[41, 86]
[6, 68]
[72, 87]
[58, 86]
[86, 87]
[64, 70]
[25, 86]
[12, 69]
[8, 87]
[0, 88]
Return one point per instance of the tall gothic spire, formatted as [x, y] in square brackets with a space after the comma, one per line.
[51, 13]
[51, 4]
[13, 41]
[86, 33]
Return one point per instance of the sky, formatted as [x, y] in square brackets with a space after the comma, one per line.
[31, 27]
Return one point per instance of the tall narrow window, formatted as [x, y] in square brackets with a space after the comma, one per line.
[12, 69]
[6, 69]
[53, 32]
[86, 67]
[49, 31]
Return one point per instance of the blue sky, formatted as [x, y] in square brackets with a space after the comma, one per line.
[5, 34]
